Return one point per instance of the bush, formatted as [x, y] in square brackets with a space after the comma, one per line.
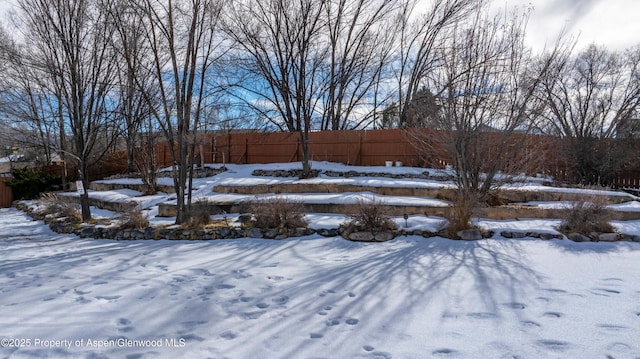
[460, 213]
[28, 184]
[278, 213]
[134, 219]
[369, 216]
[587, 215]
[61, 207]
[200, 214]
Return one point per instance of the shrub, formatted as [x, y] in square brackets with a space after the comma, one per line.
[134, 219]
[28, 184]
[587, 215]
[61, 207]
[199, 215]
[277, 213]
[369, 216]
[460, 212]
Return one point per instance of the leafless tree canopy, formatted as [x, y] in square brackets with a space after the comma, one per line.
[591, 97]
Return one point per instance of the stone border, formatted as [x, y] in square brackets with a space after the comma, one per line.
[59, 225]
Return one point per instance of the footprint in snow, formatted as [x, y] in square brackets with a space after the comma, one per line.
[514, 305]
[604, 291]
[194, 323]
[554, 345]
[368, 348]
[253, 315]
[380, 355]
[281, 300]
[315, 335]
[612, 280]
[108, 298]
[325, 292]
[124, 325]
[613, 327]
[228, 335]
[552, 314]
[482, 315]
[445, 352]
[262, 305]
[333, 322]
[351, 321]
[325, 310]
[529, 324]
[554, 290]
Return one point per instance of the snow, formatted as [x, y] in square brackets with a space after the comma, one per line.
[412, 297]
[316, 297]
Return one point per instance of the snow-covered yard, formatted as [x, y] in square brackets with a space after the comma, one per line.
[316, 297]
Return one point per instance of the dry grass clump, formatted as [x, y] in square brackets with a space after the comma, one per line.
[277, 213]
[200, 214]
[61, 207]
[369, 216]
[460, 213]
[587, 215]
[134, 219]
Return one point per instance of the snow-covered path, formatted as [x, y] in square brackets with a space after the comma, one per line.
[314, 297]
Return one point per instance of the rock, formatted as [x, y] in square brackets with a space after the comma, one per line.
[271, 233]
[546, 236]
[577, 237]
[470, 234]
[223, 232]
[87, 232]
[301, 232]
[328, 232]
[361, 236]
[609, 237]
[149, 233]
[254, 233]
[383, 236]
[137, 234]
[507, 234]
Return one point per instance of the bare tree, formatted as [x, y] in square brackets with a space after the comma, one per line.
[282, 57]
[360, 49]
[26, 105]
[134, 90]
[184, 45]
[419, 36]
[487, 95]
[592, 99]
[69, 38]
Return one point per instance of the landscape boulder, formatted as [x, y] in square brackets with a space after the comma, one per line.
[577, 237]
[608, 237]
[470, 234]
[361, 236]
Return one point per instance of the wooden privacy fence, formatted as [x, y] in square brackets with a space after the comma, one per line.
[535, 153]
[363, 148]
[5, 192]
